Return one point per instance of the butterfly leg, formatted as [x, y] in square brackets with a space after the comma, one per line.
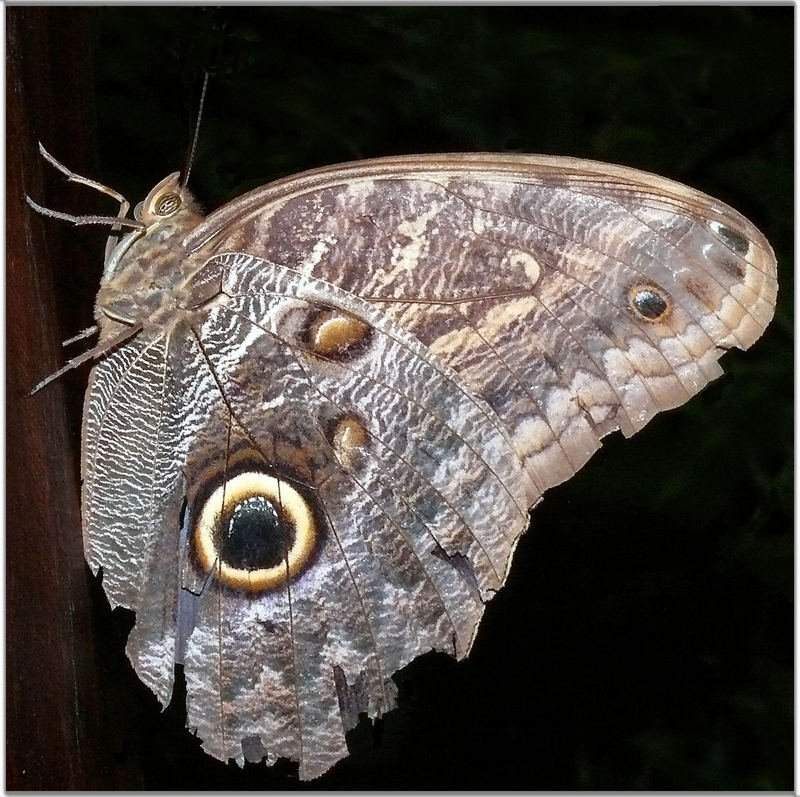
[117, 222]
[80, 220]
[100, 349]
[76, 178]
[84, 333]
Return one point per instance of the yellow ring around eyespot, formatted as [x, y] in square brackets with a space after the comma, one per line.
[248, 485]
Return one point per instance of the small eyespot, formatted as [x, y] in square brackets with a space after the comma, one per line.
[167, 204]
[649, 302]
[336, 334]
[137, 211]
[731, 238]
[348, 438]
[254, 532]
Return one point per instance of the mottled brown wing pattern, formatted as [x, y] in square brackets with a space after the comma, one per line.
[315, 460]
[519, 273]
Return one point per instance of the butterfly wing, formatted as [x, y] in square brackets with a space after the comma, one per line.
[395, 359]
[575, 297]
[395, 463]
[132, 494]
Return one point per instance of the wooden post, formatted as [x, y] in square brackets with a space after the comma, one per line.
[56, 731]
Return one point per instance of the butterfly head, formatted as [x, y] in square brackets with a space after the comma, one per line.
[168, 200]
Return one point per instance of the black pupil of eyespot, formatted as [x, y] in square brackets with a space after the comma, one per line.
[649, 303]
[255, 536]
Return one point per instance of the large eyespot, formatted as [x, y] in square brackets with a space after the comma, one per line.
[336, 334]
[166, 204]
[649, 302]
[254, 532]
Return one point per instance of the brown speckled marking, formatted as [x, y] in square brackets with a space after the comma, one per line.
[698, 288]
[734, 268]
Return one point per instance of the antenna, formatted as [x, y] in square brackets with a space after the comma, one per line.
[196, 132]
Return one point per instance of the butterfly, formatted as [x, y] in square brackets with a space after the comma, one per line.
[320, 415]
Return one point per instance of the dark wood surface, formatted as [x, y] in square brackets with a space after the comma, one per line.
[53, 684]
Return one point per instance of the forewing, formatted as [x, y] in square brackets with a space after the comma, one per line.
[539, 280]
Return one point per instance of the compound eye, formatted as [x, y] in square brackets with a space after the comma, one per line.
[167, 204]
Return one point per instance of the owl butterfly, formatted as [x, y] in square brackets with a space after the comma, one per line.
[320, 415]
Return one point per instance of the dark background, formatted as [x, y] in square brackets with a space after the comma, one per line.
[644, 637]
